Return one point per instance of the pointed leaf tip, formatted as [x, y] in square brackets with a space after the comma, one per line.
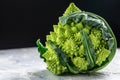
[71, 8]
[41, 48]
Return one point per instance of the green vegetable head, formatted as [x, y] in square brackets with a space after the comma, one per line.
[81, 42]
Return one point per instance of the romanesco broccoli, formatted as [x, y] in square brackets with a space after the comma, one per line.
[79, 43]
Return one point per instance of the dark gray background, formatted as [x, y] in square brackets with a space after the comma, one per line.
[22, 22]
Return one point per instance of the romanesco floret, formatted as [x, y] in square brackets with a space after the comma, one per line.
[79, 62]
[72, 8]
[101, 54]
[70, 48]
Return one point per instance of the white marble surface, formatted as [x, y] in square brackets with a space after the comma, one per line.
[25, 64]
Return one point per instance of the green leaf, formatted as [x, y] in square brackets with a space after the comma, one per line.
[89, 51]
[41, 48]
[64, 59]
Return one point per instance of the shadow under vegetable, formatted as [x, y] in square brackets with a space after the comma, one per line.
[46, 75]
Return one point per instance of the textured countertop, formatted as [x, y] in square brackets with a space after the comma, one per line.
[25, 64]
